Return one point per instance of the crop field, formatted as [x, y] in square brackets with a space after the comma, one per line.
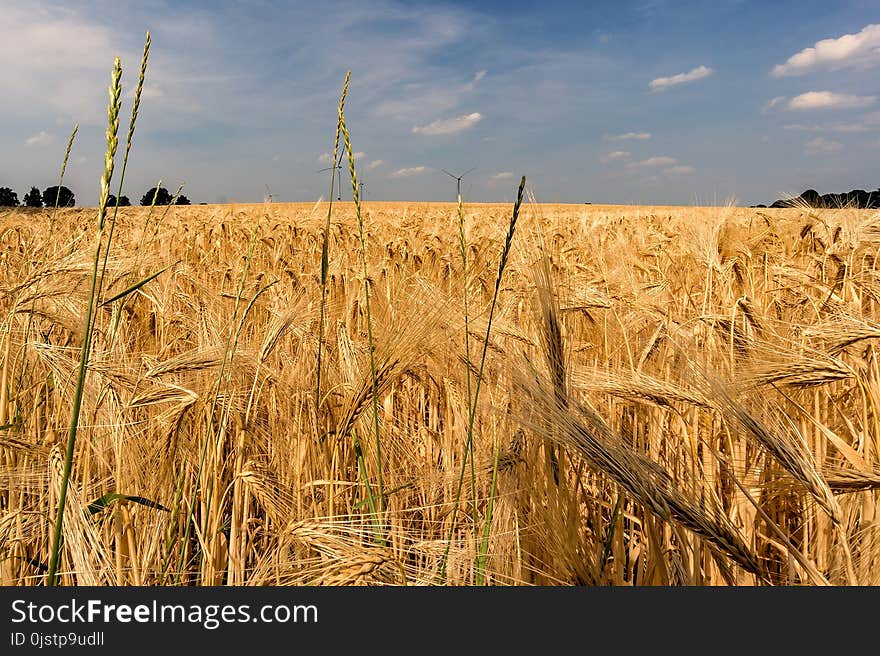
[587, 395]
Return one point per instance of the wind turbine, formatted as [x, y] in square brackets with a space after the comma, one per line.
[458, 178]
[268, 197]
[361, 186]
[338, 168]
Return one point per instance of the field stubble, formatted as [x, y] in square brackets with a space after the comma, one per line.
[671, 396]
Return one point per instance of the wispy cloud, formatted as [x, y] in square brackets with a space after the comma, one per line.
[772, 103]
[829, 100]
[822, 146]
[629, 135]
[359, 154]
[653, 162]
[697, 73]
[479, 75]
[325, 158]
[149, 92]
[449, 125]
[405, 173]
[850, 50]
[376, 163]
[41, 138]
[679, 170]
[503, 175]
[828, 127]
[615, 155]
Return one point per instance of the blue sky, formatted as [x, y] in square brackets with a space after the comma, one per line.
[646, 102]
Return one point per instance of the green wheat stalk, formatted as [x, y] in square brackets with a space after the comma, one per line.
[128, 140]
[372, 347]
[505, 253]
[61, 180]
[325, 248]
[112, 142]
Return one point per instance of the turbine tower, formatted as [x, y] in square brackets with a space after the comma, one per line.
[338, 168]
[458, 178]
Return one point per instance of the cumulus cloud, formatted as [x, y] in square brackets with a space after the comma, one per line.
[697, 73]
[850, 50]
[449, 125]
[41, 138]
[629, 135]
[503, 175]
[375, 164]
[829, 100]
[325, 158]
[359, 154]
[822, 146]
[405, 173]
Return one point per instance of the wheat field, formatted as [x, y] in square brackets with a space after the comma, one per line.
[669, 396]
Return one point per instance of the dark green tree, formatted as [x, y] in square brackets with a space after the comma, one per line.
[182, 200]
[124, 202]
[62, 195]
[33, 198]
[8, 198]
[162, 196]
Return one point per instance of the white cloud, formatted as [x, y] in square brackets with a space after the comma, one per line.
[327, 158]
[404, 173]
[821, 145]
[41, 138]
[679, 170]
[829, 127]
[479, 75]
[375, 164]
[697, 73]
[850, 50]
[503, 175]
[654, 161]
[148, 92]
[629, 135]
[449, 125]
[615, 155]
[773, 102]
[829, 100]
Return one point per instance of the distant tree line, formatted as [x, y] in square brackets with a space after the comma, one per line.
[64, 197]
[857, 198]
[50, 197]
